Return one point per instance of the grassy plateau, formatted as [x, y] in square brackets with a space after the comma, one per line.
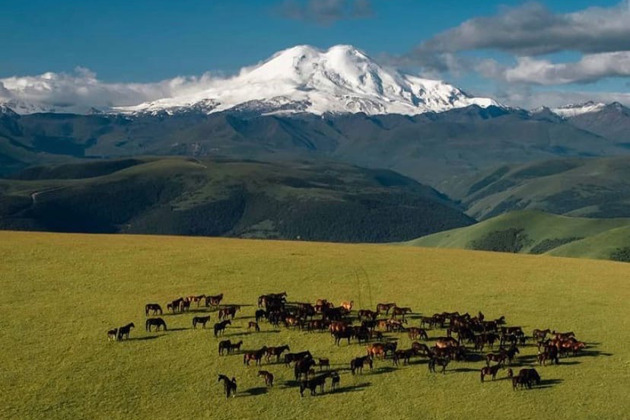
[62, 292]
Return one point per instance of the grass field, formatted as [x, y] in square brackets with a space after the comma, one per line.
[61, 293]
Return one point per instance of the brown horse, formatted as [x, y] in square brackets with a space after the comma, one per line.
[490, 370]
[268, 376]
[366, 313]
[499, 358]
[256, 356]
[347, 305]
[396, 311]
[446, 342]
[296, 357]
[254, 325]
[235, 347]
[219, 327]
[405, 355]
[156, 308]
[229, 385]
[157, 322]
[303, 367]
[539, 335]
[175, 305]
[384, 307]
[312, 384]
[356, 365]
[196, 299]
[214, 300]
[203, 320]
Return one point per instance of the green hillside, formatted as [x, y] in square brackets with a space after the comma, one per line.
[533, 232]
[587, 187]
[323, 201]
[62, 292]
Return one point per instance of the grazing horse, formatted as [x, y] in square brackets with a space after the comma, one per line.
[446, 342]
[112, 335]
[421, 348]
[366, 313]
[276, 351]
[303, 367]
[224, 345]
[520, 381]
[175, 305]
[400, 311]
[296, 357]
[256, 356]
[384, 307]
[254, 325]
[340, 335]
[405, 355]
[229, 385]
[531, 375]
[511, 352]
[312, 384]
[219, 327]
[414, 332]
[490, 370]
[196, 299]
[356, 365]
[214, 300]
[439, 361]
[380, 349]
[124, 330]
[157, 322]
[156, 308]
[200, 320]
[268, 377]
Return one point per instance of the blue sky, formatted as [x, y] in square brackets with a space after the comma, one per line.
[147, 41]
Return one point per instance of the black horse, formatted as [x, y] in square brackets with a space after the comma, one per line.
[229, 385]
[219, 327]
[157, 322]
[156, 308]
[203, 320]
[356, 365]
[124, 331]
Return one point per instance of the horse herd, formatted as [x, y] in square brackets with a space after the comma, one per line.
[466, 338]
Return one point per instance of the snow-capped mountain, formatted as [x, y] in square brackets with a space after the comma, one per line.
[342, 79]
[574, 110]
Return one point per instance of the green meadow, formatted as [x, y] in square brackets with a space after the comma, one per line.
[62, 292]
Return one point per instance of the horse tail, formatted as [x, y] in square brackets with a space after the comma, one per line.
[164, 325]
[195, 322]
[147, 325]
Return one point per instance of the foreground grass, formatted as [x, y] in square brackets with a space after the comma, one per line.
[60, 293]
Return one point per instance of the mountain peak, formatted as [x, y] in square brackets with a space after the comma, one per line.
[342, 79]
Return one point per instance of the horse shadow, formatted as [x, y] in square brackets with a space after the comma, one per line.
[352, 388]
[548, 383]
[253, 392]
[382, 370]
[179, 329]
[592, 353]
[475, 357]
[146, 337]
[464, 369]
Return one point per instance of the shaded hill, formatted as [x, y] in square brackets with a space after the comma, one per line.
[221, 197]
[532, 232]
[431, 148]
[594, 187]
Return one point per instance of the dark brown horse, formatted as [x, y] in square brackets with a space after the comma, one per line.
[228, 311]
[499, 358]
[229, 385]
[490, 370]
[203, 320]
[276, 351]
[224, 345]
[438, 361]
[396, 311]
[175, 305]
[323, 362]
[296, 357]
[219, 327]
[254, 325]
[256, 356]
[156, 308]
[214, 300]
[268, 376]
[384, 307]
[235, 347]
[405, 355]
[303, 367]
[155, 322]
[366, 313]
[312, 384]
[124, 330]
[356, 365]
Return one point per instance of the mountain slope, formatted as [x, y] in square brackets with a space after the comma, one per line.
[593, 187]
[531, 232]
[212, 197]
